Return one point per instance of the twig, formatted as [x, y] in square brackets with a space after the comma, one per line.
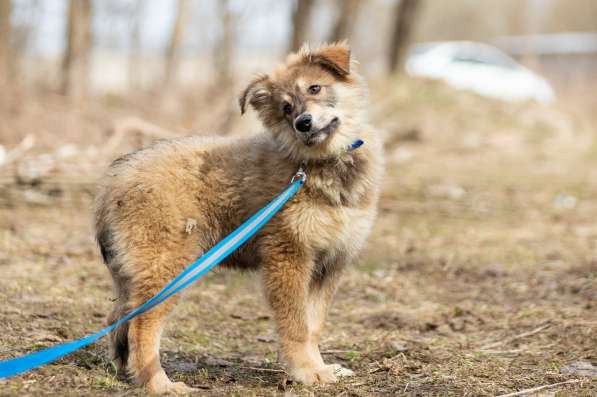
[264, 369]
[335, 351]
[520, 336]
[358, 384]
[580, 323]
[534, 389]
[513, 351]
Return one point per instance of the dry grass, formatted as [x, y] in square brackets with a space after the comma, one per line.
[480, 277]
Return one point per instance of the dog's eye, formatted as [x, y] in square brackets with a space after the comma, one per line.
[287, 108]
[314, 89]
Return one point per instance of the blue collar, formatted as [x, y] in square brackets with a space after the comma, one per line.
[302, 176]
[355, 145]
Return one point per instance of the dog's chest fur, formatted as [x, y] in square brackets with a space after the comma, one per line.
[333, 210]
[330, 216]
[322, 228]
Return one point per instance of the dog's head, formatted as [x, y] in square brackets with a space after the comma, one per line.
[314, 104]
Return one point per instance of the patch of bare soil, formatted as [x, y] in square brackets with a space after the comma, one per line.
[480, 278]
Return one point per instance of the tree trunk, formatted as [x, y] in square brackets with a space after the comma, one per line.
[223, 56]
[6, 53]
[300, 24]
[75, 64]
[405, 18]
[172, 52]
[135, 50]
[223, 47]
[348, 14]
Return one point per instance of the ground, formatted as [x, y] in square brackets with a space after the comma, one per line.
[479, 279]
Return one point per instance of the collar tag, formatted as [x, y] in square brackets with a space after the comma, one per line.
[300, 175]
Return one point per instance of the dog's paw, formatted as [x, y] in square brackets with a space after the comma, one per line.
[166, 386]
[312, 375]
[340, 371]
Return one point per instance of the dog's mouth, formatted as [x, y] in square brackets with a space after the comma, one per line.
[315, 137]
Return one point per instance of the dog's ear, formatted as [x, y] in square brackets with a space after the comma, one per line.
[333, 57]
[257, 93]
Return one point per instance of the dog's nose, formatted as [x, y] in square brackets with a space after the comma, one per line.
[303, 122]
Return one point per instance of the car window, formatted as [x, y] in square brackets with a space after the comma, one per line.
[482, 56]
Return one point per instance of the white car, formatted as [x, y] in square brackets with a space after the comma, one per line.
[480, 68]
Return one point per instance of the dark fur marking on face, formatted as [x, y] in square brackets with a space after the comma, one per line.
[330, 98]
[299, 103]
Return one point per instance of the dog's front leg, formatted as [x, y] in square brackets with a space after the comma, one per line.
[286, 277]
[322, 288]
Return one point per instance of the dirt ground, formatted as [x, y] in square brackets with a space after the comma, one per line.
[480, 278]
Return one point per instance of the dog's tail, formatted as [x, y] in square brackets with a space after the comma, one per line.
[119, 341]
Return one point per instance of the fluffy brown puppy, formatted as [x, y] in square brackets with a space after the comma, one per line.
[313, 107]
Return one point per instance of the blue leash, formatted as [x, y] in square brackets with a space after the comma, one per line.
[196, 270]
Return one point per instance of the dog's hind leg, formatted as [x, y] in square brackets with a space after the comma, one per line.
[146, 271]
[144, 346]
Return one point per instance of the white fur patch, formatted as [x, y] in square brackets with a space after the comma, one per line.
[190, 225]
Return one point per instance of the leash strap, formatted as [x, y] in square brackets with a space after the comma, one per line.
[193, 272]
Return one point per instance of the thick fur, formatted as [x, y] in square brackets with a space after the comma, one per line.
[148, 198]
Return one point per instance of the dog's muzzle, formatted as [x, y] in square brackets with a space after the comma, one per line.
[311, 135]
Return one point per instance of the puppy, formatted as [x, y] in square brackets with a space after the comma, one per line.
[313, 107]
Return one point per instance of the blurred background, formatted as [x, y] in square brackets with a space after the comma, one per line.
[186, 55]
[480, 276]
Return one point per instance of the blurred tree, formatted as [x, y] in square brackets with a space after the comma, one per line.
[223, 45]
[224, 62]
[404, 21]
[301, 19]
[348, 14]
[26, 16]
[172, 52]
[5, 46]
[75, 64]
[135, 50]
